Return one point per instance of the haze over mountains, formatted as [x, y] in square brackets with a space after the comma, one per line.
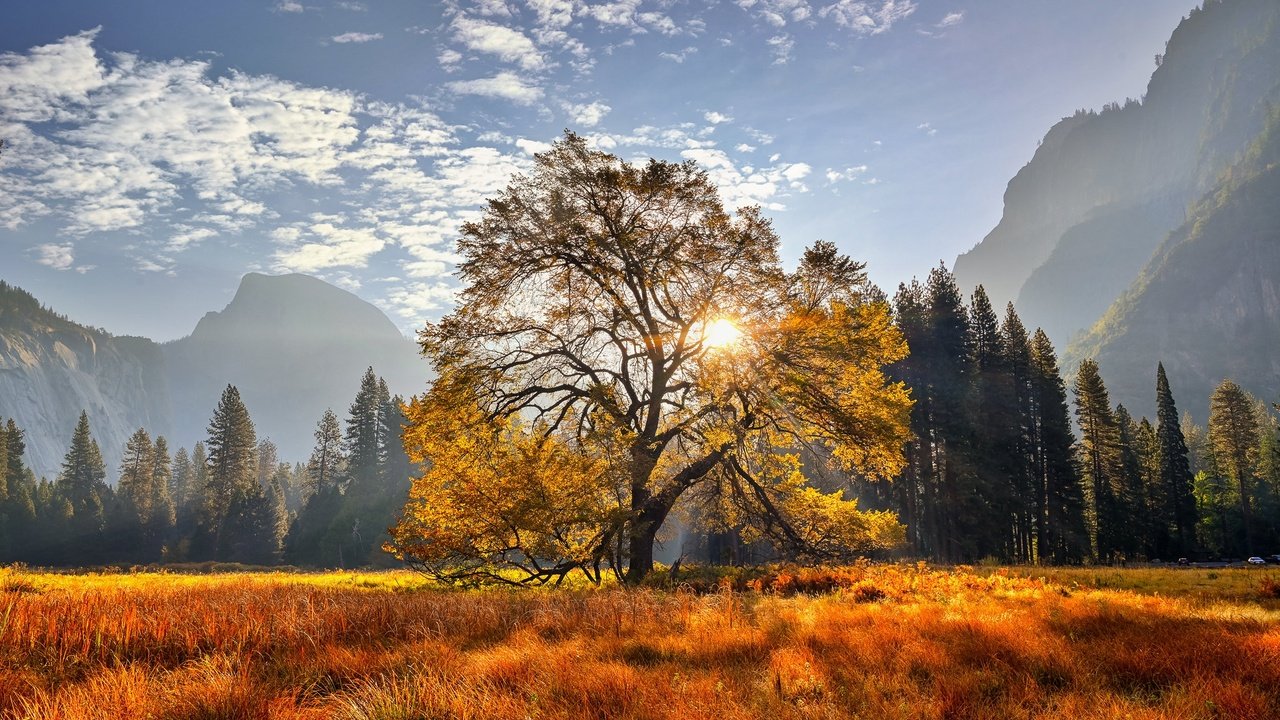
[1109, 197]
[293, 345]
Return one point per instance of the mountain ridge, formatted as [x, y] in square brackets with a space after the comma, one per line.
[293, 344]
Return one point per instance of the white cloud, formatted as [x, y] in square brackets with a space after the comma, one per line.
[356, 37]
[869, 17]
[715, 118]
[552, 13]
[834, 176]
[58, 257]
[927, 129]
[351, 6]
[745, 148]
[781, 47]
[951, 19]
[288, 6]
[587, 115]
[506, 44]
[504, 85]
[532, 146]
[324, 245]
[777, 13]
[678, 57]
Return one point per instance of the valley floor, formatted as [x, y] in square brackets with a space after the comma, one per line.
[877, 642]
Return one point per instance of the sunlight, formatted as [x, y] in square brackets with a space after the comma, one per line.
[721, 333]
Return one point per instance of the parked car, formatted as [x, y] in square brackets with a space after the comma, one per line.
[1255, 560]
[1272, 559]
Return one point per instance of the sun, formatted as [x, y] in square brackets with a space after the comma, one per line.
[721, 333]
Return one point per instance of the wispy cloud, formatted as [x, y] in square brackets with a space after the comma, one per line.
[951, 19]
[356, 37]
[506, 44]
[504, 85]
[868, 17]
[927, 129]
[289, 6]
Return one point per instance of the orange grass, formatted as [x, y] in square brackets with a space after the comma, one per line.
[879, 642]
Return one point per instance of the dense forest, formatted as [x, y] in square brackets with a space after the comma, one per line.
[1009, 462]
[228, 498]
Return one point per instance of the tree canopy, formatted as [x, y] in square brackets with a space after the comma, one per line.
[589, 352]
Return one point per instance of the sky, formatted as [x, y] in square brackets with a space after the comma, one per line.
[156, 152]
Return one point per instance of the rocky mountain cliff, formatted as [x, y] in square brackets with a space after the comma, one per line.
[1208, 302]
[52, 368]
[1103, 190]
[294, 345]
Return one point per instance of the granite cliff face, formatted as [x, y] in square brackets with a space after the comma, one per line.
[1104, 189]
[52, 368]
[292, 344]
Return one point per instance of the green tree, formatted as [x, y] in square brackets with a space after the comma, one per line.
[1100, 460]
[83, 487]
[1233, 435]
[600, 302]
[328, 460]
[163, 511]
[364, 435]
[232, 486]
[1063, 535]
[1176, 506]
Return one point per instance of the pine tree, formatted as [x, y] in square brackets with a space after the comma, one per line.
[1176, 509]
[1101, 461]
[83, 487]
[1233, 435]
[1132, 526]
[994, 422]
[232, 487]
[1027, 495]
[364, 429]
[163, 511]
[268, 460]
[1063, 536]
[328, 461]
[181, 480]
[136, 472]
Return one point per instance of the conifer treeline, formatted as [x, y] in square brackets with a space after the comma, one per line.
[229, 499]
[995, 472]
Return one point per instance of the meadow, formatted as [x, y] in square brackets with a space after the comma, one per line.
[904, 641]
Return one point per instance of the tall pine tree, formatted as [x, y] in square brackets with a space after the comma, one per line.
[1176, 509]
[232, 485]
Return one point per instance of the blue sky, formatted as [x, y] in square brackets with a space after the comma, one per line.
[158, 151]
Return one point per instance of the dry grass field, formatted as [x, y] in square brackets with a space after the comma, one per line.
[858, 642]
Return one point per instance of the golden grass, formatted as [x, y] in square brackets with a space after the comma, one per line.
[882, 642]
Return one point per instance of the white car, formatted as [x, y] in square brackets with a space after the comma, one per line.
[1255, 560]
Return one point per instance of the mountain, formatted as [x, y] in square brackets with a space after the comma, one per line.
[1103, 189]
[52, 368]
[294, 346]
[1208, 302]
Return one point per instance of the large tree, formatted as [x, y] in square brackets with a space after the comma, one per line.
[1176, 490]
[231, 490]
[1234, 437]
[602, 313]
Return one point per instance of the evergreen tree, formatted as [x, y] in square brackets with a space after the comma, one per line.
[181, 481]
[1233, 435]
[131, 512]
[232, 492]
[268, 460]
[1006, 531]
[1063, 536]
[363, 435]
[328, 461]
[1101, 461]
[83, 487]
[137, 470]
[1176, 506]
[1132, 526]
[1021, 448]
[163, 511]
